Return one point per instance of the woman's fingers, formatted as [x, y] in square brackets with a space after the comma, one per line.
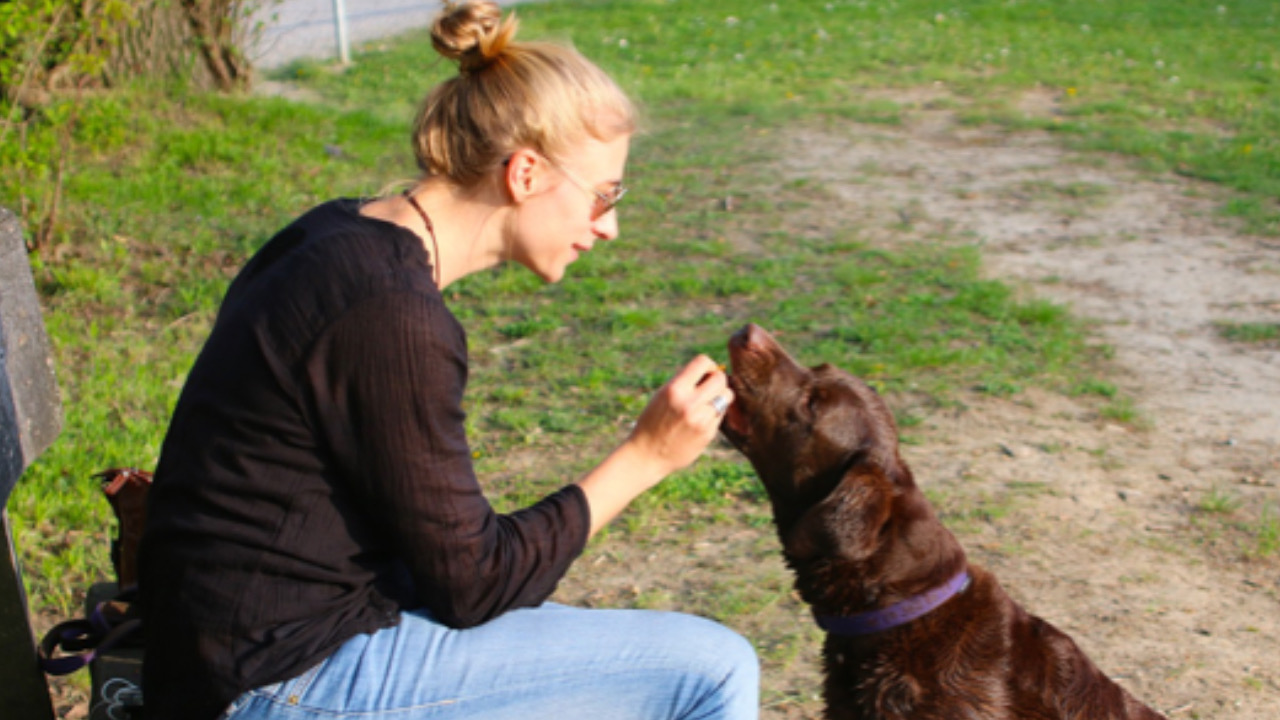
[698, 370]
[710, 391]
[683, 417]
[702, 378]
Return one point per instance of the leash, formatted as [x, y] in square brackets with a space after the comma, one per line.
[73, 644]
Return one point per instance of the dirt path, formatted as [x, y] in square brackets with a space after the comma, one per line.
[1103, 536]
[1103, 528]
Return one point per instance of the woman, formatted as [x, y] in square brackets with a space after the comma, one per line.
[317, 543]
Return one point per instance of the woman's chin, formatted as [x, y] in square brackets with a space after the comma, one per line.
[553, 274]
[549, 274]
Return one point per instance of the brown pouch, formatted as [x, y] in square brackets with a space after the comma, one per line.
[126, 489]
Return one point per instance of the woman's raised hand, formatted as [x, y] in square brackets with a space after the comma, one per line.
[683, 417]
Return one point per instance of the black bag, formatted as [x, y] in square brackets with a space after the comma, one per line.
[109, 637]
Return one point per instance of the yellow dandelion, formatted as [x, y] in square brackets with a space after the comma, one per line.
[1071, 92]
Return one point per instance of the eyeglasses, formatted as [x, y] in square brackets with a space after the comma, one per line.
[604, 201]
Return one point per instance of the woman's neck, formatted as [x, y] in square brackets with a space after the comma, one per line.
[468, 226]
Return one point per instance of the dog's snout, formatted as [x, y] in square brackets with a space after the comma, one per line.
[752, 337]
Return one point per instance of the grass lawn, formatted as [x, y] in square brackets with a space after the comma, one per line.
[162, 193]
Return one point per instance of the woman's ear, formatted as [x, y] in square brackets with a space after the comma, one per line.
[525, 173]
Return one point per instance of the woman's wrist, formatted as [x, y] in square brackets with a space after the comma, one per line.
[626, 473]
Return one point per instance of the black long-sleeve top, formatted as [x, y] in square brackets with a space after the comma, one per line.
[316, 477]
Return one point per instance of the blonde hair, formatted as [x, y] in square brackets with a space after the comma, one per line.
[509, 95]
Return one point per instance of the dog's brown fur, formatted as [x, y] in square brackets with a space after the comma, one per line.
[860, 536]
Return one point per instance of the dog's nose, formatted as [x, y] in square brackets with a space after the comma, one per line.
[751, 335]
[740, 339]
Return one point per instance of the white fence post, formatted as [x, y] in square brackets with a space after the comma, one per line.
[340, 30]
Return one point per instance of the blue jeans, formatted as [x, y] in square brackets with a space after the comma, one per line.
[554, 661]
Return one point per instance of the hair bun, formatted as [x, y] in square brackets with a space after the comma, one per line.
[472, 32]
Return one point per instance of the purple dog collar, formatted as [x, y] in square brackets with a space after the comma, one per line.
[897, 614]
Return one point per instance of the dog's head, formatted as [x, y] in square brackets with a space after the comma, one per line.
[800, 426]
[809, 432]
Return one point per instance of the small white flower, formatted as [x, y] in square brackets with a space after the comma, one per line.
[1085, 28]
[1222, 9]
[1159, 64]
[1174, 79]
[940, 17]
[773, 7]
[1004, 52]
[622, 42]
[739, 57]
[731, 21]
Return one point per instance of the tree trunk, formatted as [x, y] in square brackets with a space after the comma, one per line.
[212, 29]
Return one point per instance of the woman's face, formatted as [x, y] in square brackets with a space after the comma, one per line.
[564, 216]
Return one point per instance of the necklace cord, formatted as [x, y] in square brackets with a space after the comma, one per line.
[435, 246]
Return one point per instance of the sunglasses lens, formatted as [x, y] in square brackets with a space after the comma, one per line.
[607, 201]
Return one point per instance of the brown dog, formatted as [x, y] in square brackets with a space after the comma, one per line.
[913, 630]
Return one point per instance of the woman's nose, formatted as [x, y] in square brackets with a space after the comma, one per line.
[606, 226]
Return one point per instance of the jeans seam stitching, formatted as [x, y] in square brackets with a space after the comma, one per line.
[328, 712]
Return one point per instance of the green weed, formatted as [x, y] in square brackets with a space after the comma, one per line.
[1123, 410]
[1219, 502]
[1267, 532]
[1093, 386]
[1249, 332]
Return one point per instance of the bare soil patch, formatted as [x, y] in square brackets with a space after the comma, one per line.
[1144, 540]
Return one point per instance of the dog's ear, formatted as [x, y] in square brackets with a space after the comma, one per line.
[846, 524]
